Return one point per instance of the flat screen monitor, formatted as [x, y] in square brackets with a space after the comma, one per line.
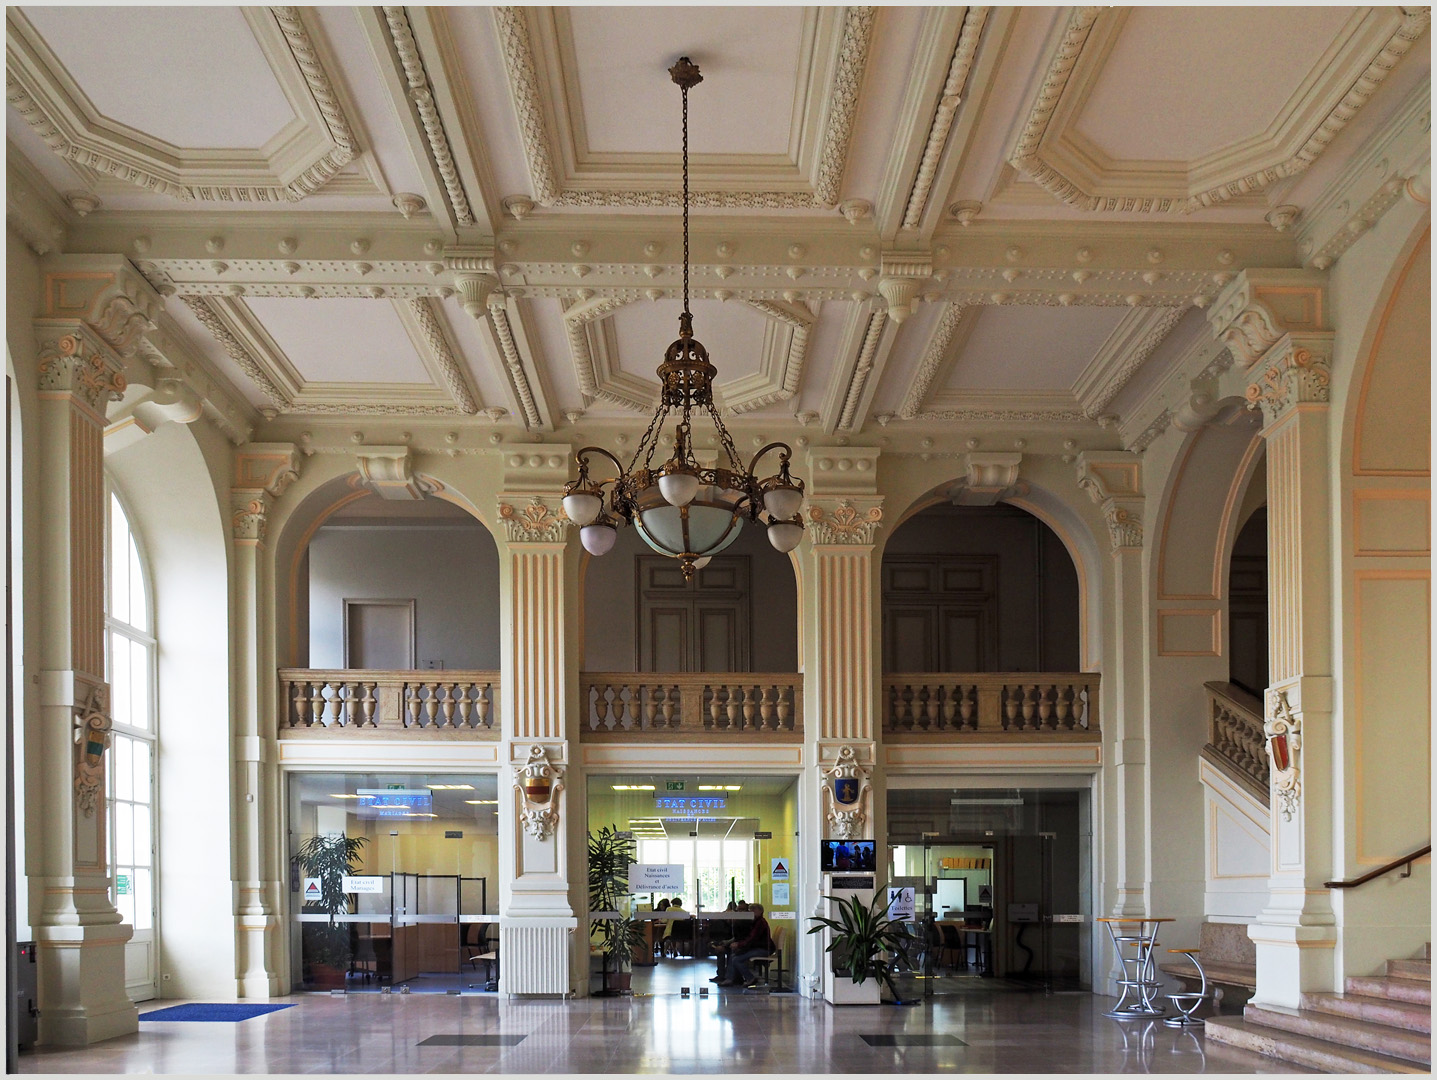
[845, 856]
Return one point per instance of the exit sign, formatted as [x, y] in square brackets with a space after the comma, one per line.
[674, 785]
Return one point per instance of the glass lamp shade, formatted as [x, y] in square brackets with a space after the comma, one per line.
[783, 502]
[707, 525]
[598, 538]
[785, 535]
[678, 488]
[582, 508]
[699, 564]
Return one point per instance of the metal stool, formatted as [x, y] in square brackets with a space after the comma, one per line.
[1188, 1003]
[1139, 984]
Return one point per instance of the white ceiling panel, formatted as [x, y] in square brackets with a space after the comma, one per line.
[1031, 348]
[193, 77]
[732, 332]
[341, 340]
[745, 104]
[1234, 81]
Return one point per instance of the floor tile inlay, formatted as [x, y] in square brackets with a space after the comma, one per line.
[912, 1040]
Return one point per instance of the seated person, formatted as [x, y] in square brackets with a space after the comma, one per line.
[680, 930]
[721, 930]
[755, 944]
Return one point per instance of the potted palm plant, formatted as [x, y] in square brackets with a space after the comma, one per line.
[610, 853]
[326, 946]
[862, 940]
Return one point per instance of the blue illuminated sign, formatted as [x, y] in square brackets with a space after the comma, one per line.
[393, 803]
[693, 804]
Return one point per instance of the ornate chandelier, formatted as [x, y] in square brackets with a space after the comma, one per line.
[681, 509]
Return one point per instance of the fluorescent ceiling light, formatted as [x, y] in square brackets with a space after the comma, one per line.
[420, 815]
[633, 787]
[450, 787]
[1011, 801]
[481, 802]
[336, 796]
[720, 787]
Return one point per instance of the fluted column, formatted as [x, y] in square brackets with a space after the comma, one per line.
[89, 324]
[262, 472]
[1113, 479]
[1274, 329]
[537, 818]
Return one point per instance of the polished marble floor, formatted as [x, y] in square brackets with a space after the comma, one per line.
[724, 1033]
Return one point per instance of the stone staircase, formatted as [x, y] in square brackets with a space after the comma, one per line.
[1381, 1024]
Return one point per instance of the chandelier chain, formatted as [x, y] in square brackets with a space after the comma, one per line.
[686, 198]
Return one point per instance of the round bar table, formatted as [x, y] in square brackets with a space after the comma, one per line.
[1139, 934]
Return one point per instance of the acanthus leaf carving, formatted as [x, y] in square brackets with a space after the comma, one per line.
[535, 523]
[847, 793]
[1283, 730]
[93, 726]
[1292, 376]
[69, 364]
[843, 522]
[539, 782]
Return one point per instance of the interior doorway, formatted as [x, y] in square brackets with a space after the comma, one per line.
[695, 624]
[707, 847]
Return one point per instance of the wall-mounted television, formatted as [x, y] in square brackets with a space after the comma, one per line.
[842, 856]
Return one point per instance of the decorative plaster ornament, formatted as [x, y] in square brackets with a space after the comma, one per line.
[1283, 730]
[92, 737]
[539, 783]
[846, 796]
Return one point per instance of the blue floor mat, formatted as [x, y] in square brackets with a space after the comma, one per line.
[214, 1014]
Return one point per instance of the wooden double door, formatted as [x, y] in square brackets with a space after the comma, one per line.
[940, 613]
[696, 625]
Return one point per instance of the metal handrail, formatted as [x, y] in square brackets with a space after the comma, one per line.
[1406, 860]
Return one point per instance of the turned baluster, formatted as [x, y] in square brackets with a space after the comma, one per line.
[933, 707]
[766, 716]
[367, 704]
[299, 699]
[349, 703]
[749, 696]
[318, 703]
[735, 706]
[1080, 708]
[1012, 702]
[968, 708]
[413, 704]
[617, 709]
[715, 717]
[1065, 708]
[673, 707]
[783, 708]
[431, 706]
[1045, 697]
[465, 707]
[649, 698]
[447, 702]
[1029, 705]
[481, 703]
[949, 706]
[599, 707]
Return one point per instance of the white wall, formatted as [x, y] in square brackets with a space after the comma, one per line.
[450, 571]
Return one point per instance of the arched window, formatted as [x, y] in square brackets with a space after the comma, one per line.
[130, 770]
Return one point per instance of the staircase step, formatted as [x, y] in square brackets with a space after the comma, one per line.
[1410, 969]
[1377, 1038]
[1380, 986]
[1375, 1010]
[1302, 1049]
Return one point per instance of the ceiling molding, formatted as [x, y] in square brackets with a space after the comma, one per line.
[1196, 370]
[952, 96]
[577, 319]
[1072, 169]
[1127, 348]
[785, 349]
[868, 340]
[210, 319]
[438, 351]
[298, 161]
[31, 206]
[513, 362]
[933, 358]
[421, 97]
[538, 121]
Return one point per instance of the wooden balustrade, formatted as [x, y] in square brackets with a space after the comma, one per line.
[1235, 740]
[451, 702]
[711, 705]
[972, 705]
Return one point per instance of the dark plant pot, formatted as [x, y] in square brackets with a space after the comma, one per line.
[326, 977]
[622, 981]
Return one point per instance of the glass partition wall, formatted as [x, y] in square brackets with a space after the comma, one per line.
[393, 881]
[1003, 890]
[708, 841]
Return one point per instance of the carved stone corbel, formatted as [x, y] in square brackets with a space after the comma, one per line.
[388, 471]
[1113, 480]
[539, 782]
[92, 737]
[988, 478]
[1283, 730]
[846, 797]
[263, 472]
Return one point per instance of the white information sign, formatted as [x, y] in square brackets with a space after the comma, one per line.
[900, 903]
[312, 891]
[656, 877]
[780, 869]
[780, 893]
[365, 884]
[785, 914]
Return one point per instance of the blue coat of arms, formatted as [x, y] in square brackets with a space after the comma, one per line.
[845, 789]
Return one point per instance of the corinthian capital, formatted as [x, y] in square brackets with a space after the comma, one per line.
[844, 521]
[1114, 480]
[1295, 374]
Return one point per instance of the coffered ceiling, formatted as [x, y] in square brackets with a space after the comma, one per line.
[908, 220]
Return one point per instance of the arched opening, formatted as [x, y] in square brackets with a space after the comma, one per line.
[978, 589]
[1247, 605]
